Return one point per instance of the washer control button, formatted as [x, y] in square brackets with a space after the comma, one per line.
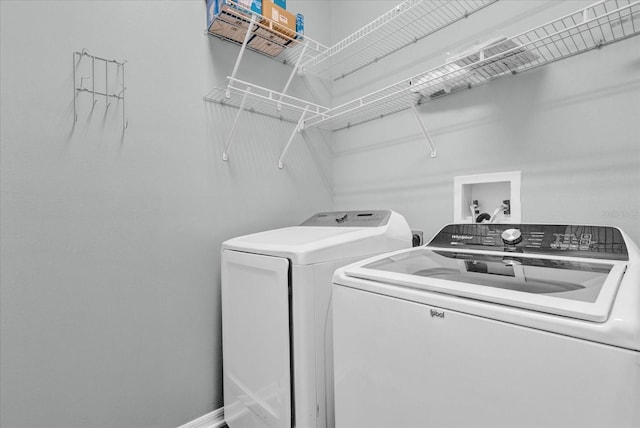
[511, 236]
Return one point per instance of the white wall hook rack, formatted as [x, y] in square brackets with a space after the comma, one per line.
[106, 93]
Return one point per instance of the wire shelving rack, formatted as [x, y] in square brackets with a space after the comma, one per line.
[402, 26]
[593, 27]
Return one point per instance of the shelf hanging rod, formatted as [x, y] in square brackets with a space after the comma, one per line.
[362, 32]
[93, 79]
[586, 19]
[425, 133]
[413, 41]
[240, 54]
[296, 130]
[289, 101]
[125, 123]
[106, 83]
[225, 153]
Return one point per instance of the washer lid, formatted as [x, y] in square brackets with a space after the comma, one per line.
[330, 236]
[574, 288]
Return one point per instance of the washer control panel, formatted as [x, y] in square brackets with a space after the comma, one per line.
[349, 219]
[571, 240]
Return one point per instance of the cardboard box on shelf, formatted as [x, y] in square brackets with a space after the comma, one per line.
[273, 36]
[233, 31]
[230, 19]
[265, 46]
[278, 20]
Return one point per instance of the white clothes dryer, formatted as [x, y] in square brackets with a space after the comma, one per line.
[276, 314]
[492, 325]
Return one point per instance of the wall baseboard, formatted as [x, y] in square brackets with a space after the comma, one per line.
[214, 419]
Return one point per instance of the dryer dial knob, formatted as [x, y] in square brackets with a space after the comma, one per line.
[511, 236]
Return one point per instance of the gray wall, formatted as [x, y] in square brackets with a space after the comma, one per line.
[110, 311]
[571, 127]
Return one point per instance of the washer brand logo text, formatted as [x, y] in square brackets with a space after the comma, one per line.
[438, 314]
[462, 237]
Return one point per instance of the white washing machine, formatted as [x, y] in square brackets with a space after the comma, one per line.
[492, 325]
[276, 320]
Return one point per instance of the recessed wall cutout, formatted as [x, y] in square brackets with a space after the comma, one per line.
[487, 198]
[102, 78]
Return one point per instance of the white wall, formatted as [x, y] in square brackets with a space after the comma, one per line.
[571, 128]
[110, 309]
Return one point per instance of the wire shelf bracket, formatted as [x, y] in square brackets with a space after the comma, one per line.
[247, 36]
[299, 128]
[225, 153]
[293, 72]
[424, 131]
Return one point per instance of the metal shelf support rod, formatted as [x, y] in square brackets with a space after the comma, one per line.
[296, 130]
[93, 79]
[295, 69]
[425, 133]
[242, 49]
[75, 92]
[225, 156]
[124, 117]
[106, 83]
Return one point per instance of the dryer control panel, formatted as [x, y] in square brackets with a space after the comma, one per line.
[349, 219]
[601, 242]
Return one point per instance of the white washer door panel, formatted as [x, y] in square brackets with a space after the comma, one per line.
[255, 335]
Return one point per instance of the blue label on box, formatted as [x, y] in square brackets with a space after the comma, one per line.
[211, 11]
[254, 6]
[300, 24]
[281, 3]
